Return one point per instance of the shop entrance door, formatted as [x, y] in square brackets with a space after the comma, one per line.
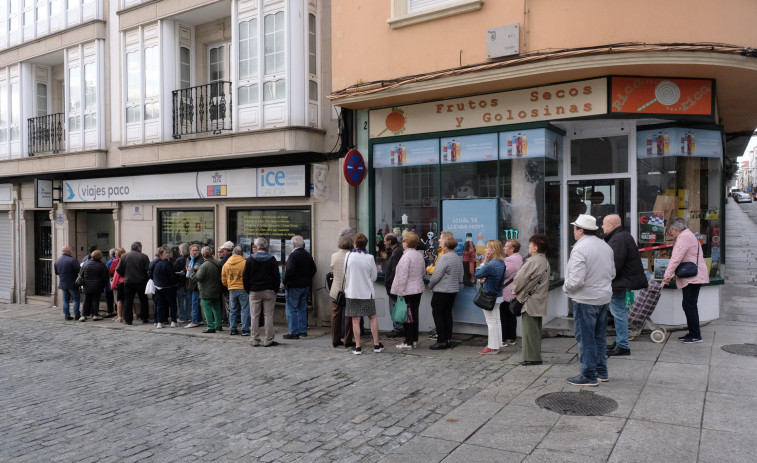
[599, 198]
[43, 253]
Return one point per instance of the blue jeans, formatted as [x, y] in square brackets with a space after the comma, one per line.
[297, 310]
[69, 294]
[196, 317]
[591, 334]
[184, 306]
[239, 300]
[619, 314]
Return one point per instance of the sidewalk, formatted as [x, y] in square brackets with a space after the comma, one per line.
[675, 402]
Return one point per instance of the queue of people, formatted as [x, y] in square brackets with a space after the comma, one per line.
[192, 286]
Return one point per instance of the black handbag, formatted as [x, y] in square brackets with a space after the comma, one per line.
[516, 306]
[688, 269]
[486, 299]
[341, 298]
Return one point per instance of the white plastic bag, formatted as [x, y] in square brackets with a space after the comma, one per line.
[150, 288]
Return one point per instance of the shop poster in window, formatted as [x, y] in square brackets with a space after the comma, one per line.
[679, 141]
[651, 227]
[406, 153]
[532, 143]
[473, 148]
[473, 222]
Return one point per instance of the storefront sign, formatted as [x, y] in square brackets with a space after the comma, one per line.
[411, 153]
[529, 144]
[474, 148]
[43, 193]
[679, 141]
[643, 95]
[559, 101]
[238, 183]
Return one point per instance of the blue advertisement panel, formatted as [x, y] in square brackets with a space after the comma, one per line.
[533, 143]
[472, 222]
[679, 141]
[474, 148]
[408, 153]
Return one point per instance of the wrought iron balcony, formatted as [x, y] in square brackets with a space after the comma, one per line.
[202, 109]
[47, 134]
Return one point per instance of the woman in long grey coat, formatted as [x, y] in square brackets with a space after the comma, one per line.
[535, 268]
[448, 274]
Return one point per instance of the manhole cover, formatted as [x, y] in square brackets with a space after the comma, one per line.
[577, 403]
[750, 350]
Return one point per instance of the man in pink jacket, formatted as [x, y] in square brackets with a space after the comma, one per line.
[687, 249]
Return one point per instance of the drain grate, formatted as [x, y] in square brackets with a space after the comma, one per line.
[577, 403]
[750, 350]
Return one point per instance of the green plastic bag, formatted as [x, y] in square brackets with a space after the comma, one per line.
[399, 312]
[629, 300]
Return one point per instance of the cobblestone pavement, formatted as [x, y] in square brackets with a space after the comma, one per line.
[100, 391]
[75, 393]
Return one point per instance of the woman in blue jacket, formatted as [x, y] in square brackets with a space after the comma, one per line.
[492, 275]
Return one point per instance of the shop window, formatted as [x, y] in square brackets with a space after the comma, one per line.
[407, 189]
[277, 225]
[603, 155]
[679, 178]
[193, 226]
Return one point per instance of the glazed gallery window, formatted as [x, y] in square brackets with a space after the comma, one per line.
[193, 226]
[277, 225]
[681, 179]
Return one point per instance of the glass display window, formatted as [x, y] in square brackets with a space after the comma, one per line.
[192, 226]
[406, 190]
[277, 225]
[680, 175]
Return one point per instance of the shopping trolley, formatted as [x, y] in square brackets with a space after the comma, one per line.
[641, 310]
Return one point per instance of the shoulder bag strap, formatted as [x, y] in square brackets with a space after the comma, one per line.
[533, 290]
[344, 277]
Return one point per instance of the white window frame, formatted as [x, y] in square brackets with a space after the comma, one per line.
[402, 15]
[142, 130]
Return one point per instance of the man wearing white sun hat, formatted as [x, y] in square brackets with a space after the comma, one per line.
[588, 282]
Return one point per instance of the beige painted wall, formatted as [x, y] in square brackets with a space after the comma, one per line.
[360, 30]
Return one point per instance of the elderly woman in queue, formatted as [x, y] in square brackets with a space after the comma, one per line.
[534, 269]
[687, 249]
[513, 262]
[492, 275]
[165, 279]
[208, 279]
[408, 283]
[345, 241]
[95, 276]
[117, 285]
[445, 282]
[359, 274]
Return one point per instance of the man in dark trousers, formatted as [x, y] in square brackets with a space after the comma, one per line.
[629, 275]
[300, 270]
[261, 279]
[133, 266]
[67, 269]
[394, 254]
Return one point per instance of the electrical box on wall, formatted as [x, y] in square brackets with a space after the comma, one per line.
[503, 41]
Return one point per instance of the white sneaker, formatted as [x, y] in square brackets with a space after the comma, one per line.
[192, 325]
[173, 324]
[403, 346]
[83, 318]
[159, 325]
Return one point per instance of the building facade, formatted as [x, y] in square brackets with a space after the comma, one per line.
[498, 120]
[164, 122]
